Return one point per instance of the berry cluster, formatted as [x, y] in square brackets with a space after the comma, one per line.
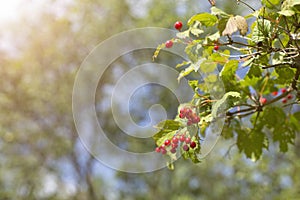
[263, 100]
[178, 26]
[188, 113]
[284, 100]
[177, 140]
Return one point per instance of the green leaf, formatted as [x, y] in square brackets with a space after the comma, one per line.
[187, 71]
[214, 37]
[183, 64]
[248, 62]
[196, 31]
[158, 48]
[228, 75]
[221, 59]
[262, 30]
[183, 34]
[192, 153]
[275, 119]
[284, 136]
[285, 75]
[287, 13]
[219, 12]
[222, 104]
[254, 71]
[295, 2]
[282, 41]
[208, 66]
[271, 3]
[193, 84]
[295, 121]
[222, 25]
[164, 137]
[165, 127]
[205, 18]
[227, 132]
[251, 142]
[194, 51]
[229, 70]
[170, 165]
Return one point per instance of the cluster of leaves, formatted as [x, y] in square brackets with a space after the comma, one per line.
[238, 64]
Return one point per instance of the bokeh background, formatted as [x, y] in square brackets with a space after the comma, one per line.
[42, 45]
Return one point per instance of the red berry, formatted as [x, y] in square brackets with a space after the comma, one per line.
[182, 110]
[169, 44]
[187, 140]
[182, 138]
[216, 47]
[196, 119]
[173, 150]
[275, 93]
[263, 100]
[283, 90]
[175, 140]
[163, 151]
[181, 115]
[174, 146]
[189, 123]
[193, 144]
[189, 113]
[178, 25]
[284, 100]
[289, 96]
[157, 149]
[167, 142]
[185, 147]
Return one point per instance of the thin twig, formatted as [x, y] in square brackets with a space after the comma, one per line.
[275, 65]
[239, 1]
[228, 150]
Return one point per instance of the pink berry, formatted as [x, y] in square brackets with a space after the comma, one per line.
[216, 47]
[178, 25]
[157, 149]
[169, 44]
[175, 140]
[283, 90]
[173, 150]
[189, 123]
[189, 113]
[185, 147]
[289, 96]
[284, 100]
[182, 138]
[263, 100]
[275, 93]
[167, 142]
[196, 119]
[174, 146]
[181, 116]
[163, 151]
[187, 140]
[182, 110]
[193, 144]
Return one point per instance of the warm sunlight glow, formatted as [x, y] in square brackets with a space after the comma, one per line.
[9, 10]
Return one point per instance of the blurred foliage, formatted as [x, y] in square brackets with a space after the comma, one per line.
[41, 154]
